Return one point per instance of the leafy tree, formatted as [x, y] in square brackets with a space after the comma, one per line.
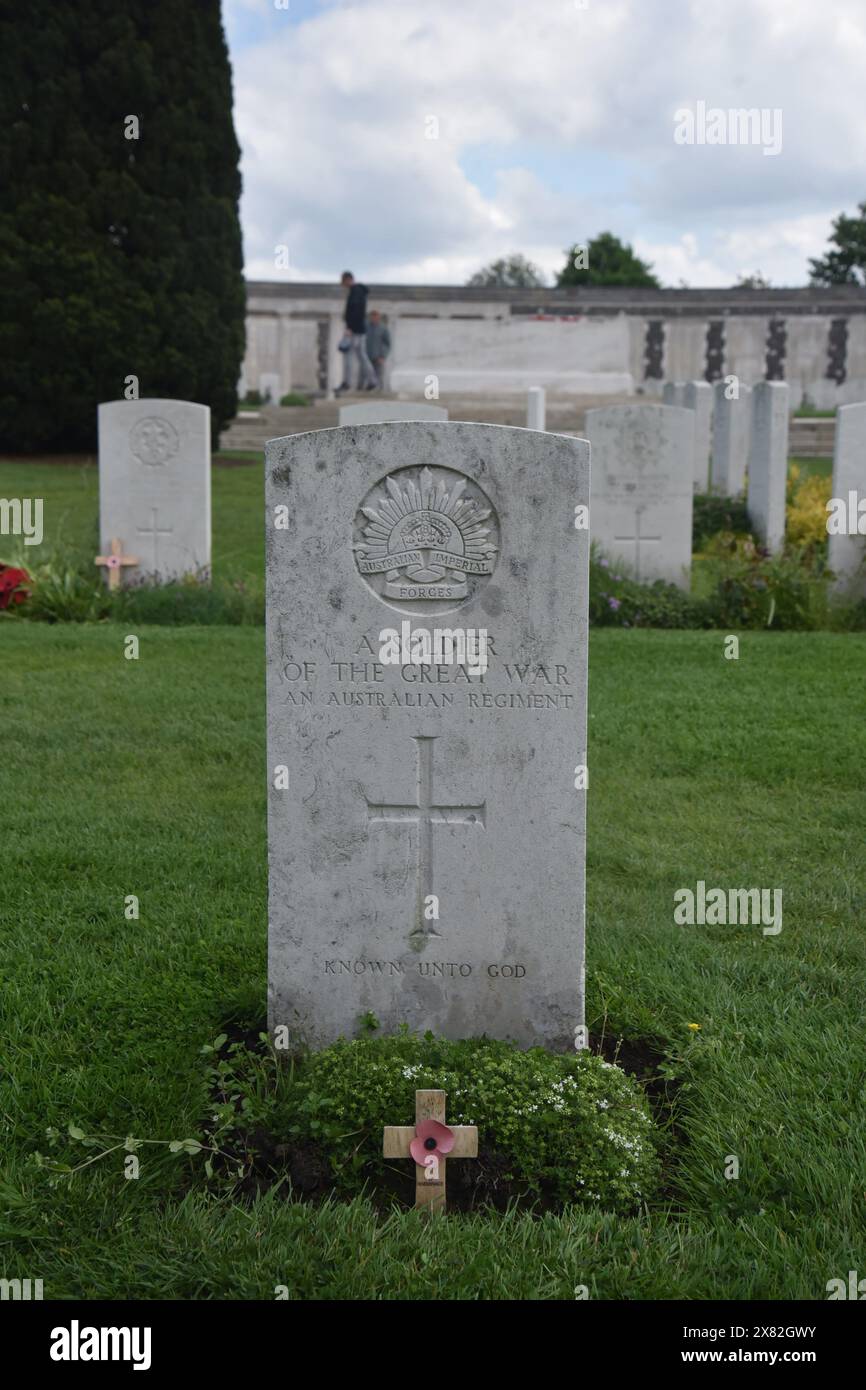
[606, 261]
[846, 265]
[118, 256]
[511, 272]
[757, 281]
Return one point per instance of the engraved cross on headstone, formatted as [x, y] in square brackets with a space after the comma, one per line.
[155, 531]
[425, 814]
[638, 540]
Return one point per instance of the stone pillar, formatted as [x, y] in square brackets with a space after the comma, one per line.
[284, 353]
[768, 462]
[847, 551]
[535, 408]
[731, 420]
[336, 329]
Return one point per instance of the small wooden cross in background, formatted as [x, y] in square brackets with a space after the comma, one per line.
[430, 1177]
[114, 562]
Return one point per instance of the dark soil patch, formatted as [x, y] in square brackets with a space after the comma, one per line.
[303, 1169]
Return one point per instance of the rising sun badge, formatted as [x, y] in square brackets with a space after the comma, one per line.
[427, 535]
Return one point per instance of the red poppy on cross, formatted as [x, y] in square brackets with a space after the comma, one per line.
[428, 1141]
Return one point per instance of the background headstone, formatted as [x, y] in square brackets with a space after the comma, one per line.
[536, 408]
[643, 487]
[381, 412]
[731, 430]
[698, 396]
[410, 783]
[768, 462]
[154, 485]
[846, 553]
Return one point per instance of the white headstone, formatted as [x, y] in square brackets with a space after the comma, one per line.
[535, 408]
[426, 826]
[731, 430]
[698, 396]
[154, 485]
[768, 462]
[643, 488]
[383, 412]
[847, 551]
[674, 393]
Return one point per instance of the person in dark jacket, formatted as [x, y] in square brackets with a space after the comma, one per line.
[354, 342]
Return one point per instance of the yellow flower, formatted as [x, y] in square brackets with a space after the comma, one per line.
[695, 1027]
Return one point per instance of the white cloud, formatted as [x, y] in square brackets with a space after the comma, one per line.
[780, 250]
[573, 112]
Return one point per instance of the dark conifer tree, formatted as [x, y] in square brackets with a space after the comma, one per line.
[118, 256]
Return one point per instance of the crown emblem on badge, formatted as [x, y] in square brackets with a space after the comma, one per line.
[425, 533]
[426, 536]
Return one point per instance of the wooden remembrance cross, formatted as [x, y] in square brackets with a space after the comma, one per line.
[430, 1178]
[114, 562]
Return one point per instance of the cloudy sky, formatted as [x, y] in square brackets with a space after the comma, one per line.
[555, 119]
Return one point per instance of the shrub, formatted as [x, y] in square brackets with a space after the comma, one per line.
[61, 589]
[66, 587]
[712, 514]
[572, 1127]
[236, 602]
[753, 588]
[806, 510]
[295, 398]
[615, 600]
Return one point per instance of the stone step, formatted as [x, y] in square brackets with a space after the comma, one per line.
[813, 438]
[564, 413]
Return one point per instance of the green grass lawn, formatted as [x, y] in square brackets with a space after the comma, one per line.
[148, 778]
[809, 467]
